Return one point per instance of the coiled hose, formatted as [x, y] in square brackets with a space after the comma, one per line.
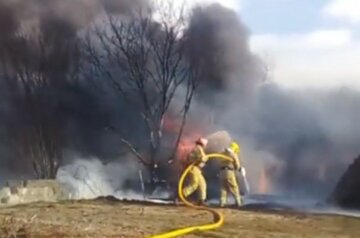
[218, 217]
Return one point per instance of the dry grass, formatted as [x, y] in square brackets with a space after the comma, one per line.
[104, 218]
[11, 227]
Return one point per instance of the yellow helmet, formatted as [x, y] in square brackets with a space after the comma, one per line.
[235, 147]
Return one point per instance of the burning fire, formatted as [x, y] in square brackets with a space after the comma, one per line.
[184, 147]
[190, 134]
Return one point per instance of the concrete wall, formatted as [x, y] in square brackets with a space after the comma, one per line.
[26, 191]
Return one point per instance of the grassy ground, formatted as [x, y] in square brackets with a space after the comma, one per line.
[104, 218]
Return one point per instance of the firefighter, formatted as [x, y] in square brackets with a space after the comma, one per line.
[197, 181]
[228, 178]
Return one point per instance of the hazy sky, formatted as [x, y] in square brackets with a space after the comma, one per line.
[306, 43]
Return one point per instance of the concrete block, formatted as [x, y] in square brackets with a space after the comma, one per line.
[33, 191]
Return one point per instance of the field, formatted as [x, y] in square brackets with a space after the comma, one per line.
[110, 218]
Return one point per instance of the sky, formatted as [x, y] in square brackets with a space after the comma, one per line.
[305, 43]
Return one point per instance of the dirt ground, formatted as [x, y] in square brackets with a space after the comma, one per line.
[107, 218]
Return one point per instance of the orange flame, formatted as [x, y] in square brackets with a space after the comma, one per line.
[190, 134]
[183, 149]
[186, 145]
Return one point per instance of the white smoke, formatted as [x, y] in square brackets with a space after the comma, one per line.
[90, 178]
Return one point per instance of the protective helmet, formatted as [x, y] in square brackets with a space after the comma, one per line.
[201, 141]
[235, 147]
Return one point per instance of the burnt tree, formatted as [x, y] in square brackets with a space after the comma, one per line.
[145, 62]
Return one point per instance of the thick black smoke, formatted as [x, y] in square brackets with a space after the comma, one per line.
[301, 139]
[39, 45]
[28, 15]
[219, 43]
[304, 139]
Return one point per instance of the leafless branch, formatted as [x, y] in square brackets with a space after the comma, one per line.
[145, 61]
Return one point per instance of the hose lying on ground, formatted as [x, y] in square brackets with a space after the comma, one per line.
[218, 217]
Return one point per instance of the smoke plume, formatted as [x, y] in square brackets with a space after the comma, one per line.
[39, 55]
[28, 15]
[90, 177]
[293, 141]
[311, 136]
[219, 43]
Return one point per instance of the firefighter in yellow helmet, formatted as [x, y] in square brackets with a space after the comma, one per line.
[196, 179]
[228, 179]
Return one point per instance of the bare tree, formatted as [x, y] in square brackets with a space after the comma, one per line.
[34, 68]
[144, 58]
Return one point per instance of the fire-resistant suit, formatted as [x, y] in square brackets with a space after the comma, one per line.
[196, 179]
[228, 179]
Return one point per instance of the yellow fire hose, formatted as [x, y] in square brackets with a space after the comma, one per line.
[218, 217]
